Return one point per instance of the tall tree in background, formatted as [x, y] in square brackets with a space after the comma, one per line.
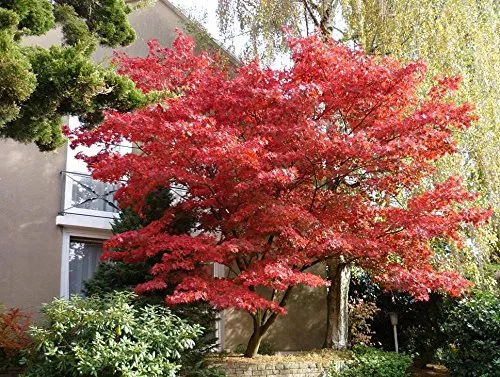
[40, 85]
[454, 38]
[284, 169]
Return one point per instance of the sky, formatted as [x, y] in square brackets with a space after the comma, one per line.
[205, 13]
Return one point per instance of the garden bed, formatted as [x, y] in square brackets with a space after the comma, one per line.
[11, 372]
[320, 355]
[299, 364]
[431, 371]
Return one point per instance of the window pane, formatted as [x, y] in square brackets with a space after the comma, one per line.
[88, 193]
[83, 259]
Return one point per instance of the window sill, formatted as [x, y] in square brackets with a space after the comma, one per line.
[84, 222]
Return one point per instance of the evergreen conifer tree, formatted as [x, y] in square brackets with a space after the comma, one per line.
[40, 85]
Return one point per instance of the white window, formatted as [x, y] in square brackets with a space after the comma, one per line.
[82, 194]
[87, 196]
[84, 257]
[80, 257]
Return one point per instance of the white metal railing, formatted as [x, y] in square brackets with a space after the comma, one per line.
[85, 196]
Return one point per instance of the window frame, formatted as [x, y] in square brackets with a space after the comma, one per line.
[73, 210]
[66, 239]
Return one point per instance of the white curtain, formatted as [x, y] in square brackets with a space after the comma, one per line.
[83, 260]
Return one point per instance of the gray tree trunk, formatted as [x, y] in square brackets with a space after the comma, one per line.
[338, 272]
[337, 322]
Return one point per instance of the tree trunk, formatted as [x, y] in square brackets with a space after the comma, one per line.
[262, 321]
[255, 339]
[339, 275]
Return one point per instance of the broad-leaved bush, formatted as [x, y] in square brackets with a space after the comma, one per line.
[371, 362]
[473, 329]
[108, 337]
[120, 276]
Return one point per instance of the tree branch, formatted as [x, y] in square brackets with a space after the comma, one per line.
[311, 14]
[274, 315]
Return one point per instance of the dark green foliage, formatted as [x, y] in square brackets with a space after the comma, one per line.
[370, 362]
[75, 30]
[266, 348]
[105, 18]
[107, 337]
[17, 80]
[117, 276]
[473, 331]
[124, 277]
[419, 322]
[67, 83]
[35, 16]
[38, 86]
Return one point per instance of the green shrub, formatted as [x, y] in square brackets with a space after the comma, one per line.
[473, 330]
[107, 337]
[370, 362]
[120, 276]
[265, 348]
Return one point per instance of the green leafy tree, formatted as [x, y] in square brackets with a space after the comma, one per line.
[40, 85]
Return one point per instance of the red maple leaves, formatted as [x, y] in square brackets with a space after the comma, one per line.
[285, 168]
[14, 325]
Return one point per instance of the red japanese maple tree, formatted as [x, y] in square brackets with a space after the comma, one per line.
[284, 169]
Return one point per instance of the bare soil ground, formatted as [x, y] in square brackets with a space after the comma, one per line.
[431, 371]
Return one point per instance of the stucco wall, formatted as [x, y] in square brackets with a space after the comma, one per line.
[303, 328]
[30, 189]
[30, 241]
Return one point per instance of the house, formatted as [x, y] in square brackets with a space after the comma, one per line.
[54, 217]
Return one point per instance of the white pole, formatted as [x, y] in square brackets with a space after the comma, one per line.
[396, 338]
